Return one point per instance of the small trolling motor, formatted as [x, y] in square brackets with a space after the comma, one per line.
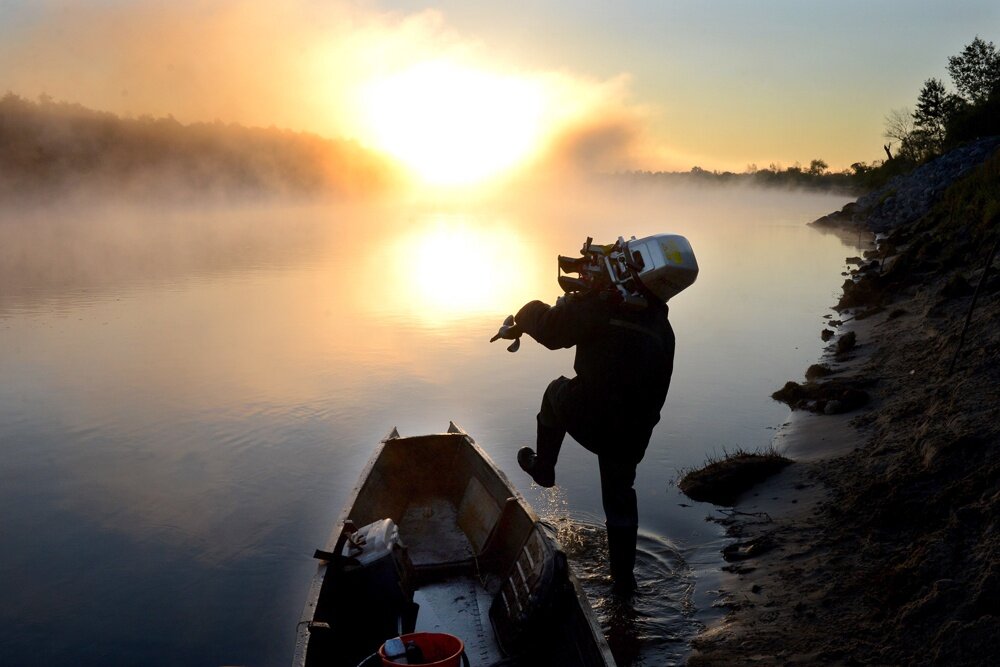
[629, 272]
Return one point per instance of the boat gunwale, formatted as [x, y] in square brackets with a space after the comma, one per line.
[302, 630]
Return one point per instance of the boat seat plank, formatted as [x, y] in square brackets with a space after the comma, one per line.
[430, 530]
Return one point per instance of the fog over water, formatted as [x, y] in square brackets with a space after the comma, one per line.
[188, 396]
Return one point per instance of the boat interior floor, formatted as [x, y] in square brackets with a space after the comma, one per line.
[458, 603]
[460, 607]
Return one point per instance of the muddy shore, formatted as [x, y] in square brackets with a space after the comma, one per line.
[880, 545]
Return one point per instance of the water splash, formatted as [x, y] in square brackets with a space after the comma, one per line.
[656, 626]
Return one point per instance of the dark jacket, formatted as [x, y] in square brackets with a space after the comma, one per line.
[624, 359]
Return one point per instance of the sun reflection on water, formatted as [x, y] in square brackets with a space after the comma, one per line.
[451, 268]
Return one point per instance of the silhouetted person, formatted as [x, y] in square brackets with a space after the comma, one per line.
[624, 360]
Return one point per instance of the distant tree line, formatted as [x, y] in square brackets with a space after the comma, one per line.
[48, 146]
[942, 119]
[815, 176]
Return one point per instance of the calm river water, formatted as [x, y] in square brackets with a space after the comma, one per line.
[187, 397]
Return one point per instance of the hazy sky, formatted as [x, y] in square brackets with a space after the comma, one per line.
[657, 85]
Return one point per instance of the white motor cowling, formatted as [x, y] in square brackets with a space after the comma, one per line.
[373, 542]
[664, 263]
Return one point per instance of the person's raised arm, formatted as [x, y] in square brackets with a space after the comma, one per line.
[567, 323]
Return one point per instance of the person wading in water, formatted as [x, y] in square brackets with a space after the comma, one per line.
[616, 316]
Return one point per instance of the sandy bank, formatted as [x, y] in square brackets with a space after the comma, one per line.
[880, 545]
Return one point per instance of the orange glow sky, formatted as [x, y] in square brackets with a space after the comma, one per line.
[460, 90]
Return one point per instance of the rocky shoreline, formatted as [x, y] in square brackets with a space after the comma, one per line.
[881, 544]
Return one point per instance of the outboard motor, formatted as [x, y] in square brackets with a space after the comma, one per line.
[368, 595]
[659, 266]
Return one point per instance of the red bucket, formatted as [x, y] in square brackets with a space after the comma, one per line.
[439, 649]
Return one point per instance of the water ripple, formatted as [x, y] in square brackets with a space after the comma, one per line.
[657, 624]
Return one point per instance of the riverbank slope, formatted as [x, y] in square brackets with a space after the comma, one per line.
[886, 551]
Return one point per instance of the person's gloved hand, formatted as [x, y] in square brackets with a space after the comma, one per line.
[509, 331]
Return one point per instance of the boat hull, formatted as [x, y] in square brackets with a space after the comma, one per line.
[472, 560]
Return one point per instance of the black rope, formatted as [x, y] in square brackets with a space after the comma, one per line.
[972, 306]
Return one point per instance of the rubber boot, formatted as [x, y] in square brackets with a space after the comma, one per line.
[540, 462]
[621, 556]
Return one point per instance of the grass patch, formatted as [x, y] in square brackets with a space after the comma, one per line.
[722, 480]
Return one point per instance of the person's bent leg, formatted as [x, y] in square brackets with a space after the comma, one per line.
[548, 442]
[540, 463]
[622, 519]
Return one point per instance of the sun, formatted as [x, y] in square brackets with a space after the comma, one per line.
[453, 124]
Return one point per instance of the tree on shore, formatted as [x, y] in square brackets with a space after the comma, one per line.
[976, 71]
[817, 167]
[934, 106]
[898, 125]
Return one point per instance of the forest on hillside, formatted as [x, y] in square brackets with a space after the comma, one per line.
[49, 147]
